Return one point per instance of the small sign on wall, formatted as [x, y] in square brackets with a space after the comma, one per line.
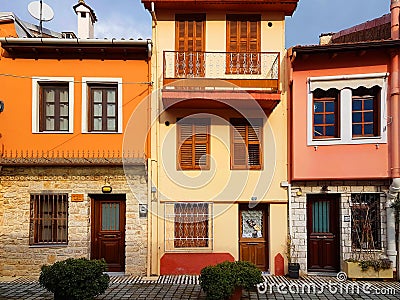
[142, 210]
[346, 218]
[77, 197]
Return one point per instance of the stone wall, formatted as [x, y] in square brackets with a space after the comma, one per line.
[345, 189]
[18, 258]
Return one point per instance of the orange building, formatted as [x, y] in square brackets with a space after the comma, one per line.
[343, 139]
[70, 187]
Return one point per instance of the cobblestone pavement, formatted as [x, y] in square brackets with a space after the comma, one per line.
[187, 287]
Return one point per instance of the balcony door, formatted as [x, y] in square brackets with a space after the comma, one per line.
[189, 33]
[243, 44]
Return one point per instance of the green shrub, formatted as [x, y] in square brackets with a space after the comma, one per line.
[75, 279]
[247, 275]
[220, 281]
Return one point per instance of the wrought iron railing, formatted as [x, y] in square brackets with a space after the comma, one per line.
[222, 65]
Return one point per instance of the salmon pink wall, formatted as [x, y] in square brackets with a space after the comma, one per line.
[366, 161]
[16, 93]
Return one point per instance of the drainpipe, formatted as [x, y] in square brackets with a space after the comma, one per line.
[394, 188]
[153, 13]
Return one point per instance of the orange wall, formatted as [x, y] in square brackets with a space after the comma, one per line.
[334, 161]
[16, 92]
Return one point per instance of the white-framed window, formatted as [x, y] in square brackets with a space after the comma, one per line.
[189, 226]
[52, 105]
[349, 109]
[101, 105]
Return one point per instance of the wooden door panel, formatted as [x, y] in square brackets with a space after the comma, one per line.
[110, 251]
[314, 259]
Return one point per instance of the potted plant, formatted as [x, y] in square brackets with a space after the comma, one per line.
[75, 279]
[226, 280]
[293, 267]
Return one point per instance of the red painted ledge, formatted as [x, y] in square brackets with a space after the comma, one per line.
[190, 263]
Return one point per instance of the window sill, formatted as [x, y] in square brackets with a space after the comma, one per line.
[190, 250]
[49, 246]
[363, 251]
[102, 132]
[352, 141]
[52, 132]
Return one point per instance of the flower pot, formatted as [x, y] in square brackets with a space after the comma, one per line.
[354, 271]
[237, 294]
[57, 296]
[293, 270]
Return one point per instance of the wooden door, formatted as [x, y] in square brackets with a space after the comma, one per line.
[253, 246]
[189, 34]
[323, 232]
[108, 231]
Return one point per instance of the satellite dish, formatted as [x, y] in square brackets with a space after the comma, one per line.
[41, 11]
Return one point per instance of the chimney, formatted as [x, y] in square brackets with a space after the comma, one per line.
[86, 20]
[325, 38]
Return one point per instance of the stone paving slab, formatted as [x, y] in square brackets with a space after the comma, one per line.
[171, 287]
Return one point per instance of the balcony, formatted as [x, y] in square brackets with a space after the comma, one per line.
[221, 76]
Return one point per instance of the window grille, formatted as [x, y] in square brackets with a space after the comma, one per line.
[48, 219]
[366, 221]
[191, 225]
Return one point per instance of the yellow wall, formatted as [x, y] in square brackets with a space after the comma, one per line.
[239, 186]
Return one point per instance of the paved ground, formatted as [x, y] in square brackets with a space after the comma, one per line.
[187, 287]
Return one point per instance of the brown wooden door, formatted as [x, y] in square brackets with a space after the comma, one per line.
[323, 233]
[253, 246]
[108, 231]
[189, 34]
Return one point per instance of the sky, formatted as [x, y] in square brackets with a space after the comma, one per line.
[129, 19]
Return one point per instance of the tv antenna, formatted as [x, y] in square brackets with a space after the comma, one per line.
[42, 12]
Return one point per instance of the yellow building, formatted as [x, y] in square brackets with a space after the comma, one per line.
[219, 142]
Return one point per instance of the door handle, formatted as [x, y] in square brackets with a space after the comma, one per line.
[110, 235]
[252, 243]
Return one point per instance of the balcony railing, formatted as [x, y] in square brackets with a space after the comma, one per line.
[246, 69]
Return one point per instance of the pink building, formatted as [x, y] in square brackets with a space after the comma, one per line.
[343, 138]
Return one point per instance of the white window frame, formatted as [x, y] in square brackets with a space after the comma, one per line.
[169, 228]
[36, 81]
[86, 82]
[343, 84]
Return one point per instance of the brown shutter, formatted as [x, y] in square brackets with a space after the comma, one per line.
[244, 41]
[185, 146]
[193, 144]
[246, 144]
[189, 31]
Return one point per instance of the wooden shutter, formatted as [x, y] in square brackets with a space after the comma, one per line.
[244, 44]
[193, 144]
[246, 152]
[190, 38]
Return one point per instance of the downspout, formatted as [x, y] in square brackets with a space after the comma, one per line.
[153, 13]
[394, 188]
